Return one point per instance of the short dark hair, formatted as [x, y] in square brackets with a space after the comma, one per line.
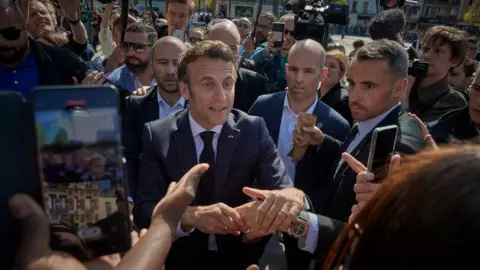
[140, 27]
[469, 67]
[441, 35]
[357, 44]
[269, 16]
[387, 50]
[209, 48]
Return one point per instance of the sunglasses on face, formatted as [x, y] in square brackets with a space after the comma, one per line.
[292, 33]
[137, 47]
[11, 33]
[194, 40]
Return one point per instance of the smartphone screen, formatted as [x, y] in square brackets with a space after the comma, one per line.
[382, 147]
[179, 33]
[78, 139]
[278, 30]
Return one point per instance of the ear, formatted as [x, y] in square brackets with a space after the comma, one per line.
[184, 90]
[400, 87]
[286, 67]
[324, 74]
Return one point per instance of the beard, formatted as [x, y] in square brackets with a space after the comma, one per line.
[10, 55]
[136, 68]
[167, 87]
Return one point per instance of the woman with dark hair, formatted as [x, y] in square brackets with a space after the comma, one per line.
[426, 215]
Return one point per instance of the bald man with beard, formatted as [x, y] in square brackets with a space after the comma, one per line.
[250, 84]
[160, 100]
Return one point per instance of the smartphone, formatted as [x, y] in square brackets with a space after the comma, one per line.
[179, 33]
[79, 147]
[382, 146]
[18, 170]
[278, 30]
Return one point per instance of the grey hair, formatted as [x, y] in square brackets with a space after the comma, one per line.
[387, 50]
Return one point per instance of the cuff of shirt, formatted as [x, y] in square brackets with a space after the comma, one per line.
[309, 242]
[181, 233]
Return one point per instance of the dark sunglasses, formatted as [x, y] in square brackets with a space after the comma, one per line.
[292, 33]
[137, 47]
[11, 33]
[193, 40]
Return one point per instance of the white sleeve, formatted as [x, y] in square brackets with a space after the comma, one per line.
[181, 233]
[309, 242]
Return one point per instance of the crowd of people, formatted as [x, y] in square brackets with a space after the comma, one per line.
[209, 123]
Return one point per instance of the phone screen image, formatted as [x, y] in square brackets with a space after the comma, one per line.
[383, 144]
[81, 167]
[179, 33]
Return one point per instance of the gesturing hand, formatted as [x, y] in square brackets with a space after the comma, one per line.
[278, 209]
[217, 219]
[179, 195]
[364, 188]
[429, 141]
[249, 212]
[93, 78]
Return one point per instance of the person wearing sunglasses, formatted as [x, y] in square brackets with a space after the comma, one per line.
[196, 35]
[25, 63]
[137, 48]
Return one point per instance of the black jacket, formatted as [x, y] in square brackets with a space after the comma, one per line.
[337, 99]
[248, 87]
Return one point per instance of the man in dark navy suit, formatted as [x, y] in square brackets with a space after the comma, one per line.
[304, 71]
[240, 153]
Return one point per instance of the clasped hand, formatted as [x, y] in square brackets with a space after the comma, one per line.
[274, 210]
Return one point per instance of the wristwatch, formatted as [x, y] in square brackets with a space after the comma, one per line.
[299, 227]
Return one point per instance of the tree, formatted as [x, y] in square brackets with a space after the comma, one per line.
[472, 16]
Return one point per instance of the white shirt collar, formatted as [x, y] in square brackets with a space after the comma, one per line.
[366, 126]
[181, 100]
[197, 129]
[310, 109]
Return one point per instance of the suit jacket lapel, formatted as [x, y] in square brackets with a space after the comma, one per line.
[274, 119]
[152, 107]
[184, 143]
[226, 147]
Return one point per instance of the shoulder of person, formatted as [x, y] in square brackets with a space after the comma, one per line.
[455, 96]
[273, 97]
[243, 120]
[250, 74]
[116, 73]
[167, 123]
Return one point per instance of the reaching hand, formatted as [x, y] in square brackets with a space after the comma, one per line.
[218, 218]
[70, 8]
[429, 141]
[248, 45]
[278, 209]
[94, 78]
[179, 195]
[141, 91]
[249, 212]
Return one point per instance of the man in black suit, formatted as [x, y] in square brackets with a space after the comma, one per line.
[250, 84]
[304, 71]
[161, 100]
[374, 101]
[240, 153]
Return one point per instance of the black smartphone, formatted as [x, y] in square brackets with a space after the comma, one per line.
[79, 147]
[278, 31]
[18, 169]
[382, 147]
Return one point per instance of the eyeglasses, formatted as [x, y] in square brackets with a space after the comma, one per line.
[292, 33]
[195, 40]
[11, 33]
[137, 47]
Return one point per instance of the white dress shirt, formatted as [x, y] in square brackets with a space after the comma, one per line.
[165, 110]
[196, 130]
[364, 128]
[285, 135]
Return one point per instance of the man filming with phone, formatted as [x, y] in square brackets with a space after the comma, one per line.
[374, 102]
[271, 58]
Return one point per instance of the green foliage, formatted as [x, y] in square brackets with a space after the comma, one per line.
[472, 16]
[62, 137]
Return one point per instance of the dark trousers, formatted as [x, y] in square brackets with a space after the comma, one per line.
[191, 252]
[297, 259]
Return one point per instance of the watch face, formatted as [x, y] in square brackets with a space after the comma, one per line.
[298, 228]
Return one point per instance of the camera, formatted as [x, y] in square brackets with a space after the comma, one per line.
[312, 18]
[417, 69]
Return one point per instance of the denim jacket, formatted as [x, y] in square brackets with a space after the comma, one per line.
[271, 67]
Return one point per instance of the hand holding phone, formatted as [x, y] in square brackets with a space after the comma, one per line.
[382, 147]
[179, 33]
[278, 31]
